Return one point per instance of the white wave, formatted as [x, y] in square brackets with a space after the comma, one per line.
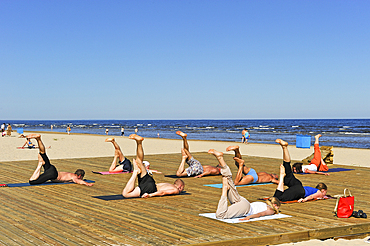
[295, 126]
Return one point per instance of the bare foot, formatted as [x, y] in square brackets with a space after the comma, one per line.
[215, 153]
[230, 148]
[136, 137]
[109, 140]
[239, 161]
[318, 136]
[281, 142]
[34, 135]
[136, 167]
[181, 134]
[22, 136]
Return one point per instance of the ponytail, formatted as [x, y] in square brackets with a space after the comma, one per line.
[274, 200]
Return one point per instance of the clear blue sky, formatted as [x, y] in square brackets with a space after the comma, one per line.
[184, 59]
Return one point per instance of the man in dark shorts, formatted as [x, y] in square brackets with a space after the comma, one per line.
[50, 172]
[147, 186]
[124, 164]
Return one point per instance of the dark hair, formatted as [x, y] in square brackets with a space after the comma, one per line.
[298, 167]
[321, 186]
[80, 172]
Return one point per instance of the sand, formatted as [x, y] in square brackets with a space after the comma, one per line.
[65, 146]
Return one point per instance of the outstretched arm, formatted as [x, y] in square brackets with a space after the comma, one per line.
[165, 192]
[82, 182]
[264, 213]
[317, 195]
[275, 181]
[313, 172]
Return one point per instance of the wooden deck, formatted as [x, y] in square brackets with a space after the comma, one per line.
[72, 215]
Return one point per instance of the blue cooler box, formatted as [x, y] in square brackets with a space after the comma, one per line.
[303, 141]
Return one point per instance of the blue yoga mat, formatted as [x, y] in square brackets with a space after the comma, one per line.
[334, 170]
[47, 183]
[220, 185]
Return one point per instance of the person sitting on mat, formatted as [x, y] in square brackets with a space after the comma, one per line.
[240, 206]
[147, 186]
[50, 172]
[295, 191]
[29, 143]
[195, 168]
[251, 176]
[124, 164]
[317, 164]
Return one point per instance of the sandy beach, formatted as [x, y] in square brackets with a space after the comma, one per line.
[65, 146]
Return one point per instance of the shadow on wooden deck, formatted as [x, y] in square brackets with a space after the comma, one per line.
[74, 214]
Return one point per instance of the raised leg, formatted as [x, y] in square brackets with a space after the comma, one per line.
[181, 172]
[284, 146]
[36, 173]
[39, 142]
[239, 179]
[185, 142]
[118, 155]
[139, 153]
[130, 190]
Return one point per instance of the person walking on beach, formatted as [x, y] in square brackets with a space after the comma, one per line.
[147, 186]
[295, 191]
[9, 130]
[317, 164]
[106, 131]
[3, 129]
[251, 176]
[50, 172]
[124, 164]
[245, 136]
[240, 206]
[68, 129]
[122, 131]
[195, 168]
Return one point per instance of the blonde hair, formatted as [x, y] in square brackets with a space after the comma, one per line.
[276, 201]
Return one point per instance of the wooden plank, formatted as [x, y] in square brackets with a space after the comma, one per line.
[70, 215]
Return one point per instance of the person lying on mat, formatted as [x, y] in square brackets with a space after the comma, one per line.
[195, 168]
[295, 191]
[317, 164]
[50, 172]
[124, 164]
[240, 206]
[250, 175]
[147, 186]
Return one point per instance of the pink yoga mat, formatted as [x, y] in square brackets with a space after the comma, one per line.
[105, 173]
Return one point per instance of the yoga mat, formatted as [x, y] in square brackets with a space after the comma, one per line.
[105, 173]
[220, 185]
[120, 197]
[333, 170]
[47, 183]
[236, 220]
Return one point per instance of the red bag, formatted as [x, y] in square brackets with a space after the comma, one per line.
[345, 205]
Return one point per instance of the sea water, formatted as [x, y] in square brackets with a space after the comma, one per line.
[354, 133]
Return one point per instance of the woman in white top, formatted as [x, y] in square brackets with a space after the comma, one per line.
[240, 206]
